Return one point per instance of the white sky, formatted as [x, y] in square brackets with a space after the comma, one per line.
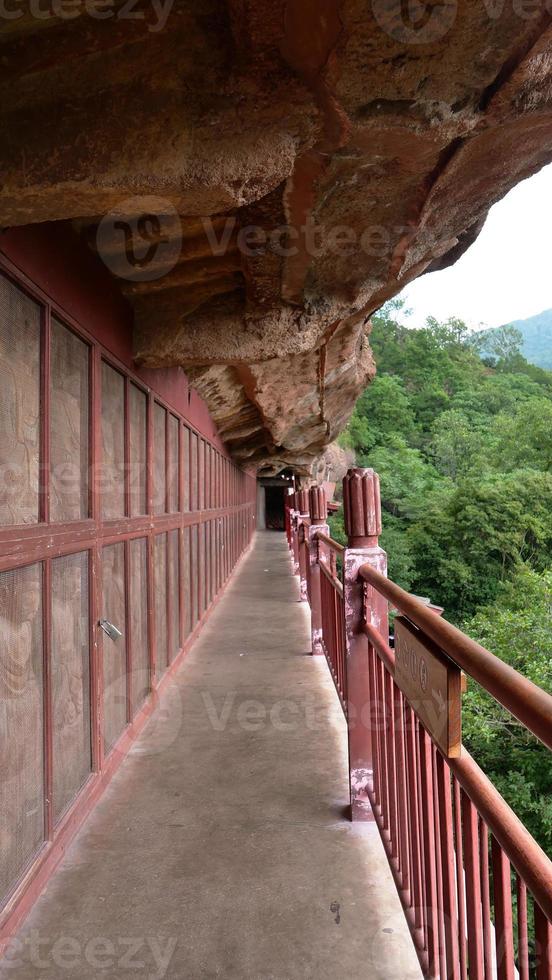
[506, 274]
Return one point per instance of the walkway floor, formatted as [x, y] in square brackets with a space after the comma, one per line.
[221, 849]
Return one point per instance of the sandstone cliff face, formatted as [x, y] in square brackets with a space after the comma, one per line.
[260, 175]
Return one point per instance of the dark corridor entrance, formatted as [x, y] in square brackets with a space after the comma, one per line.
[274, 503]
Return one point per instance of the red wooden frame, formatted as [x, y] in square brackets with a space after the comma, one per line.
[22, 545]
[459, 855]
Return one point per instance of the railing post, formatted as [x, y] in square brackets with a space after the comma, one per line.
[288, 511]
[362, 512]
[318, 510]
[302, 497]
[295, 532]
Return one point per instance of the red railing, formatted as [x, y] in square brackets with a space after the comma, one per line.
[332, 613]
[304, 559]
[476, 888]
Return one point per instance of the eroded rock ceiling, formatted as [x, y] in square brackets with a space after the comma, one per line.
[261, 175]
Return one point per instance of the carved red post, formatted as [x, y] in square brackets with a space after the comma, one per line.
[318, 510]
[288, 511]
[295, 532]
[362, 511]
[302, 539]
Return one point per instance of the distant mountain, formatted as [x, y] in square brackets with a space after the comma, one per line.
[537, 338]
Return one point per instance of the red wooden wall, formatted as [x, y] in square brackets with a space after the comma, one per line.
[118, 502]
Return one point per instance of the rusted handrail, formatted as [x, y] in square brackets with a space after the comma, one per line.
[334, 545]
[526, 701]
[338, 586]
[442, 821]
[521, 848]
[383, 649]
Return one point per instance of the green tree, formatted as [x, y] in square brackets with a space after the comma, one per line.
[455, 445]
[470, 540]
[517, 628]
[382, 412]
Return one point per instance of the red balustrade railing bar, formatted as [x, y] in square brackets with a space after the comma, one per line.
[470, 826]
[402, 793]
[336, 584]
[527, 857]
[525, 700]
[439, 870]
[504, 930]
[384, 650]
[429, 845]
[460, 890]
[448, 877]
[485, 897]
[333, 545]
[543, 945]
[523, 851]
[453, 843]
[523, 936]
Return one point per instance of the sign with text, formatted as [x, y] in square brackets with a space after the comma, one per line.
[432, 685]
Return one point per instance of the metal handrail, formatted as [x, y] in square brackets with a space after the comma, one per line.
[530, 704]
[338, 586]
[527, 857]
[334, 545]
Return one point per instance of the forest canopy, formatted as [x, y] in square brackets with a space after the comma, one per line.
[461, 437]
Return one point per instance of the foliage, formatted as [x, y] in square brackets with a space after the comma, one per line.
[460, 432]
[517, 629]
[536, 338]
[464, 454]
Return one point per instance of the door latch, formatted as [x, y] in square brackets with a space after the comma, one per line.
[110, 630]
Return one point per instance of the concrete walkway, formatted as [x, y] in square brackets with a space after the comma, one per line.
[221, 849]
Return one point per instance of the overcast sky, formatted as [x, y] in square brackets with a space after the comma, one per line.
[506, 275]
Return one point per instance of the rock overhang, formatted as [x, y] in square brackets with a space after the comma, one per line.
[287, 166]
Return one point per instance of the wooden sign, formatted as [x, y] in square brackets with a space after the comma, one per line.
[432, 685]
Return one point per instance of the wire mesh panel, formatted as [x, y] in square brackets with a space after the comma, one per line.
[61, 699]
[211, 552]
[19, 405]
[213, 559]
[114, 650]
[195, 574]
[201, 475]
[185, 458]
[208, 475]
[113, 443]
[215, 477]
[160, 592]
[159, 458]
[218, 555]
[172, 464]
[201, 570]
[70, 666]
[137, 450]
[21, 723]
[69, 423]
[174, 590]
[186, 583]
[207, 546]
[139, 621]
[207, 536]
[194, 471]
